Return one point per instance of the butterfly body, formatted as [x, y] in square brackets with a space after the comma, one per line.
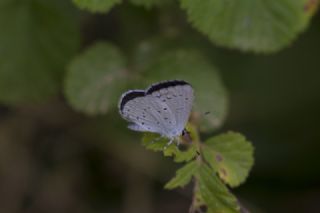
[162, 108]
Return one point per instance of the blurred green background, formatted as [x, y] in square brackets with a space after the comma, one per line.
[54, 158]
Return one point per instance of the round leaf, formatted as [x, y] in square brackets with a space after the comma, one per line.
[231, 155]
[210, 105]
[96, 79]
[250, 25]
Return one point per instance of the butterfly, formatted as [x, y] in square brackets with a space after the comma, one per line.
[162, 108]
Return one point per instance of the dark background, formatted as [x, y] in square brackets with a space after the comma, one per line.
[53, 159]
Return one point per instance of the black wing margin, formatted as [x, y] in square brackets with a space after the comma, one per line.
[128, 96]
[165, 84]
[132, 94]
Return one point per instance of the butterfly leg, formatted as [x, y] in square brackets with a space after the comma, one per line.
[178, 141]
[169, 143]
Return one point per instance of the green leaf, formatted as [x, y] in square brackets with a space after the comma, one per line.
[250, 25]
[183, 175]
[210, 106]
[157, 143]
[214, 193]
[96, 79]
[37, 39]
[231, 155]
[181, 156]
[96, 5]
[150, 3]
[149, 50]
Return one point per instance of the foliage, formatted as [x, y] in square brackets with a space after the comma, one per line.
[181, 64]
[229, 155]
[213, 193]
[183, 176]
[232, 165]
[156, 143]
[259, 26]
[150, 3]
[40, 38]
[96, 5]
[91, 76]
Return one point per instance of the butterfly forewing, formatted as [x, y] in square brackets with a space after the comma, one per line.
[163, 108]
[184, 102]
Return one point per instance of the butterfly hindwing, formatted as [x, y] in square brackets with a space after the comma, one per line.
[178, 95]
[148, 113]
